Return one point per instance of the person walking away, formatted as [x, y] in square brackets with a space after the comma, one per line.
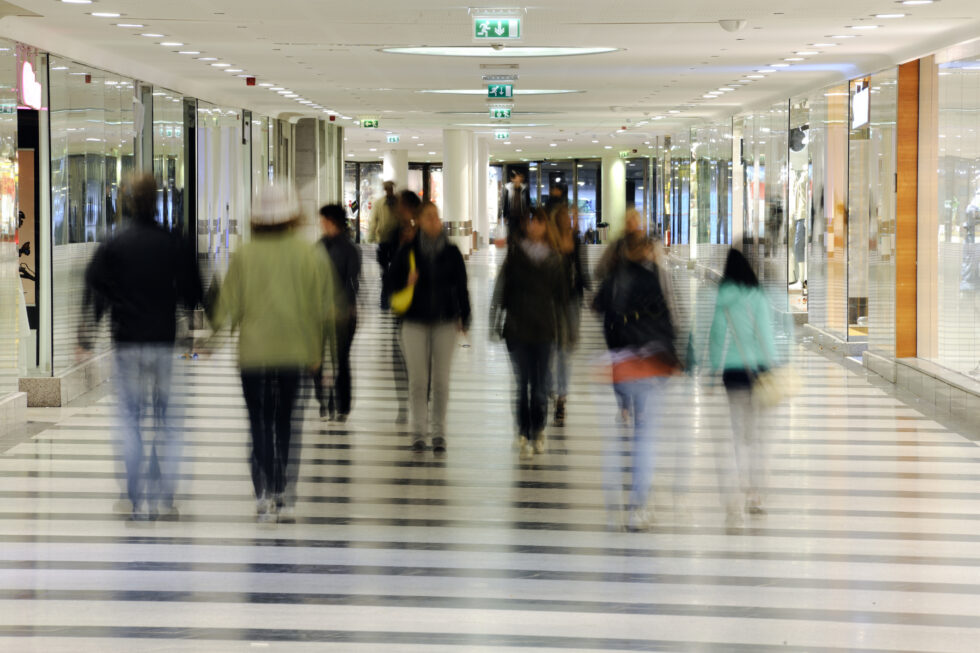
[529, 300]
[742, 345]
[515, 205]
[279, 294]
[346, 259]
[577, 281]
[140, 276]
[384, 219]
[643, 353]
[440, 308]
[408, 208]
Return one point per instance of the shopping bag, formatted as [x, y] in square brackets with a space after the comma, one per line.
[401, 301]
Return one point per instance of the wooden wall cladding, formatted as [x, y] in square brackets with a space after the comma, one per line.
[907, 186]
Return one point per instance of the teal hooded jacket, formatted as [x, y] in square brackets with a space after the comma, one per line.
[741, 330]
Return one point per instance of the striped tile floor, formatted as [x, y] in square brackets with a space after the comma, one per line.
[871, 541]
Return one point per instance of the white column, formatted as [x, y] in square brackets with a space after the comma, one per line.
[482, 220]
[457, 186]
[395, 168]
[738, 187]
[614, 193]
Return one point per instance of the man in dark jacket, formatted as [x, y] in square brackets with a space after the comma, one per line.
[139, 276]
[515, 205]
[346, 258]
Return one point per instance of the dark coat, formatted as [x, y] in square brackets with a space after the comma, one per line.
[346, 258]
[636, 314]
[441, 293]
[139, 276]
[530, 299]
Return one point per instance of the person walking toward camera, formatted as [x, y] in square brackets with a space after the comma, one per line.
[427, 286]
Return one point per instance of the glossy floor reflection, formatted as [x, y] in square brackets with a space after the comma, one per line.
[870, 542]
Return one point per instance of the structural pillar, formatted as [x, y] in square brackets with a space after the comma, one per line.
[395, 168]
[614, 194]
[458, 186]
[482, 220]
[331, 162]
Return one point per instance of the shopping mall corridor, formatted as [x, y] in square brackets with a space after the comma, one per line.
[870, 542]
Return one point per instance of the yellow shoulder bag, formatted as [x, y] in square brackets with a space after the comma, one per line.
[401, 301]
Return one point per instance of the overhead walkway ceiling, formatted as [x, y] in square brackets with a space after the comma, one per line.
[667, 57]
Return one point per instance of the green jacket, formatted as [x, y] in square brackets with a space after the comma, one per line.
[742, 325]
[279, 294]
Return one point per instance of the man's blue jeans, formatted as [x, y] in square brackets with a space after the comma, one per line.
[646, 398]
[144, 372]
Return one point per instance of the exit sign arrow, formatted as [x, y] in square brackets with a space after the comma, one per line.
[500, 91]
[490, 28]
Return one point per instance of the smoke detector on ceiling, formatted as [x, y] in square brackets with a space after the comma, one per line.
[733, 24]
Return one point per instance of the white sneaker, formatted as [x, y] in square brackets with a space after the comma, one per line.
[519, 442]
[527, 450]
[639, 520]
[540, 443]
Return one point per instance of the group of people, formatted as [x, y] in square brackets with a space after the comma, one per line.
[294, 306]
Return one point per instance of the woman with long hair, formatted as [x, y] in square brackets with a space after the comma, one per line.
[529, 300]
[742, 346]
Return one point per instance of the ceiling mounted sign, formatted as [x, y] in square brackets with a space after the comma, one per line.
[497, 25]
[499, 91]
[370, 123]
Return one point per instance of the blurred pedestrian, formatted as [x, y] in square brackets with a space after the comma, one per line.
[408, 208]
[641, 336]
[530, 301]
[577, 282]
[439, 309]
[384, 219]
[139, 276]
[278, 293]
[335, 399]
[515, 203]
[743, 313]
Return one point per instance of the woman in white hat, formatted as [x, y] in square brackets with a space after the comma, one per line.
[279, 294]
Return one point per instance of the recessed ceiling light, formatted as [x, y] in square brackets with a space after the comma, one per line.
[552, 144]
[233, 70]
[807, 53]
[518, 150]
[506, 52]
[842, 36]
[709, 96]
[825, 45]
[594, 141]
[105, 14]
[207, 58]
[291, 95]
[766, 70]
[77, 2]
[779, 65]
[152, 35]
[480, 91]
[276, 88]
[415, 138]
[794, 59]
[889, 15]
[528, 137]
[915, 2]
[756, 76]
[726, 89]
[673, 111]
[608, 147]
[265, 84]
[863, 27]
[137, 25]
[171, 44]
[432, 153]
[745, 81]
[189, 52]
[221, 65]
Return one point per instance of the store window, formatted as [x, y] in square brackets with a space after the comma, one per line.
[588, 184]
[168, 157]
[958, 277]
[92, 151]
[13, 234]
[495, 187]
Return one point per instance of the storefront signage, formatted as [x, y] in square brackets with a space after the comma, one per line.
[370, 123]
[500, 113]
[394, 138]
[30, 88]
[496, 28]
[502, 136]
[500, 91]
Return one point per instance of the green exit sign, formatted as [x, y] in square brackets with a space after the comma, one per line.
[370, 123]
[624, 154]
[500, 91]
[500, 113]
[502, 136]
[394, 138]
[504, 28]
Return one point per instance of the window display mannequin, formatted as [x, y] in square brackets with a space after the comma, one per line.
[797, 262]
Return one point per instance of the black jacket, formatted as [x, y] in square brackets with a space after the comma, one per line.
[514, 220]
[530, 298]
[441, 294]
[139, 276]
[576, 271]
[635, 311]
[346, 258]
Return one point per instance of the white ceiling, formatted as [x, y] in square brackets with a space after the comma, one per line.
[670, 54]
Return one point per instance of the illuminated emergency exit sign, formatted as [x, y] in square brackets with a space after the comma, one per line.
[496, 28]
[500, 91]
[502, 136]
[500, 113]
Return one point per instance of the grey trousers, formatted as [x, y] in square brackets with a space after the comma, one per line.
[428, 350]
